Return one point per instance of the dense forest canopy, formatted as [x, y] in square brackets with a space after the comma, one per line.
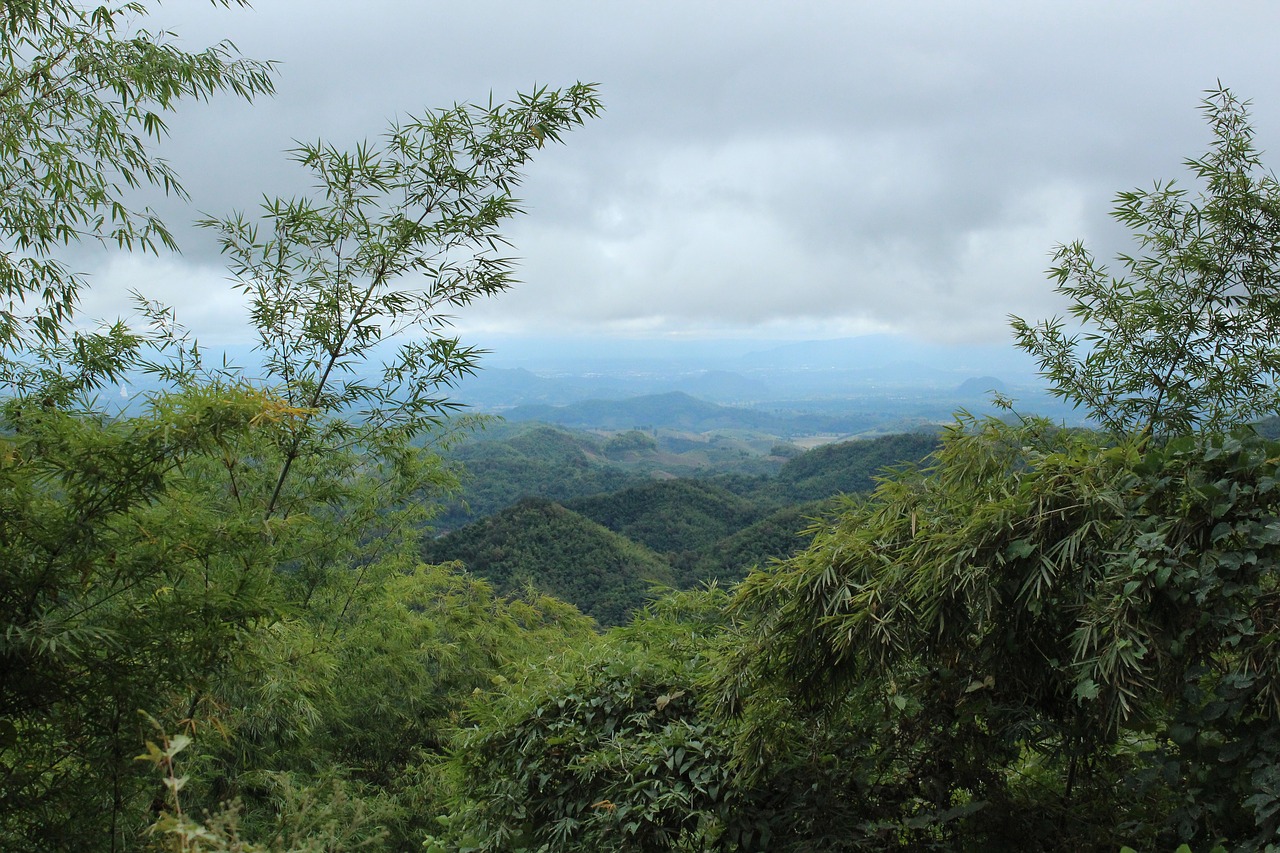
[220, 633]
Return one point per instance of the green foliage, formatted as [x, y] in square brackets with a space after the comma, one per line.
[1187, 339]
[622, 746]
[777, 536]
[670, 516]
[1038, 618]
[395, 664]
[609, 750]
[977, 655]
[316, 666]
[508, 462]
[1105, 613]
[631, 441]
[708, 529]
[848, 467]
[302, 826]
[410, 652]
[217, 559]
[97, 623]
[704, 532]
[83, 91]
[559, 552]
[139, 573]
[326, 277]
[108, 605]
[344, 760]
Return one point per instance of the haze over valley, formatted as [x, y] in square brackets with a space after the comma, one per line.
[846, 387]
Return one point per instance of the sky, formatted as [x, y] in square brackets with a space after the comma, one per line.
[762, 170]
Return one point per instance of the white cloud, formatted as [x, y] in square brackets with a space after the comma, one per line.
[202, 296]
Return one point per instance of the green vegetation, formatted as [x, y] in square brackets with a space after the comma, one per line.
[213, 565]
[670, 516]
[540, 543]
[630, 442]
[615, 749]
[986, 650]
[505, 463]
[1188, 340]
[848, 467]
[81, 98]
[780, 534]
[699, 530]
[1034, 638]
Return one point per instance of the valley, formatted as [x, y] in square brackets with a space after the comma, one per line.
[602, 518]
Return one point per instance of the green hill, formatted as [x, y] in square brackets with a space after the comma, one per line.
[597, 532]
[561, 553]
[848, 466]
[508, 462]
[776, 536]
[670, 516]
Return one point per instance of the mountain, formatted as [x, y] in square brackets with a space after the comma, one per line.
[616, 529]
[849, 466]
[559, 552]
[894, 374]
[776, 536]
[511, 461]
[980, 386]
[671, 516]
[676, 410]
[722, 386]
[672, 410]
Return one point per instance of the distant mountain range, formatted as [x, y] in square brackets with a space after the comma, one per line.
[678, 411]
[883, 383]
[870, 379]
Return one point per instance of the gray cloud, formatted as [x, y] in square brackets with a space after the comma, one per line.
[765, 169]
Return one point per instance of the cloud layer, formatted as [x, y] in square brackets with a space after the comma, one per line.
[763, 169]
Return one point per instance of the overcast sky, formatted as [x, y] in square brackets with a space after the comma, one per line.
[789, 170]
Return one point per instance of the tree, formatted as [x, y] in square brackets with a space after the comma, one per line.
[114, 598]
[203, 559]
[1038, 617]
[605, 748]
[1044, 621]
[330, 280]
[1190, 337]
[82, 94]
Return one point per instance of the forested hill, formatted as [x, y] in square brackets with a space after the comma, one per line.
[502, 465]
[560, 552]
[849, 466]
[671, 515]
[510, 461]
[602, 551]
[703, 531]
